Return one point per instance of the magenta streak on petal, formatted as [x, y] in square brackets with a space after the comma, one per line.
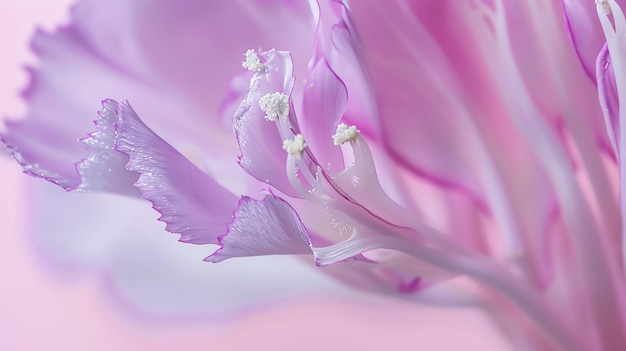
[585, 32]
[266, 227]
[190, 202]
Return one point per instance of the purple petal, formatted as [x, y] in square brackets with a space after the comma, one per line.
[348, 58]
[157, 51]
[102, 170]
[585, 32]
[133, 261]
[105, 168]
[325, 98]
[190, 202]
[266, 227]
[260, 142]
[607, 90]
[185, 43]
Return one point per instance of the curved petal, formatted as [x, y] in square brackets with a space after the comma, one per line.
[260, 140]
[148, 51]
[607, 91]
[102, 170]
[323, 105]
[190, 202]
[585, 32]
[266, 227]
[144, 267]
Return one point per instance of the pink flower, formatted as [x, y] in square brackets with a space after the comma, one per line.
[423, 142]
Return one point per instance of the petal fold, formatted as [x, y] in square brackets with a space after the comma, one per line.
[102, 170]
[266, 227]
[260, 141]
[585, 32]
[607, 92]
[190, 202]
[325, 98]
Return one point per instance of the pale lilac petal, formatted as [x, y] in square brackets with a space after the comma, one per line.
[190, 202]
[324, 102]
[103, 169]
[348, 58]
[146, 270]
[185, 43]
[148, 51]
[260, 142]
[266, 227]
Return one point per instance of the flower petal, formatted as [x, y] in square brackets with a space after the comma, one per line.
[117, 241]
[190, 202]
[324, 103]
[260, 141]
[607, 91]
[266, 227]
[151, 53]
[585, 32]
[102, 170]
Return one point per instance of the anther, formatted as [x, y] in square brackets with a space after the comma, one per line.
[252, 61]
[296, 146]
[275, 105]
[345, 134]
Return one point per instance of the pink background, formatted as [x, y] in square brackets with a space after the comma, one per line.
[40, 311]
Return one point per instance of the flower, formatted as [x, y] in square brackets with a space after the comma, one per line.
[429, 141]
[117, 236]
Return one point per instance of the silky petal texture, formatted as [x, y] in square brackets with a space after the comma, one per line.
[148, 51]
[607, 91]
[146, 270]
[266, 227]
[444, 102]
[323, 105]
[260, 141]
[190, 202]
[585, 31]
[347, 59]
[104, 169]
[126, 59]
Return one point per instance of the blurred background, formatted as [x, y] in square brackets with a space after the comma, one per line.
[41, 309]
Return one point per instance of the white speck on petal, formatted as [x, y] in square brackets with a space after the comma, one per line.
[296, 146]
[345, 134]
[252, 61]
[275, 105]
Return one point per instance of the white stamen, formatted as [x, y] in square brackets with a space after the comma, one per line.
[275, 106]
[345, 134]
[252, 61]
[296, 146]
[605, 6]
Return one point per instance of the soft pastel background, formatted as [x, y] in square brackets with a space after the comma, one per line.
[43, 310]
